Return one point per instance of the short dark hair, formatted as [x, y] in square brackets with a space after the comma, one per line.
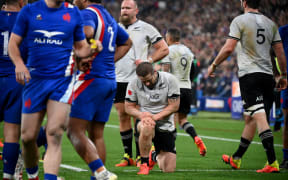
[144, 68]
[175, 34]
[11, 1]
[96, 1]
[254, 4]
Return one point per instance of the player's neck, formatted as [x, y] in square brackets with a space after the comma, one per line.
[133, 20]
[53, 3]
[251, 10]
[12, 8]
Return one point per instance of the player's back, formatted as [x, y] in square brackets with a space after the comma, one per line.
[257, 33]
[7, 21]
[107, 31]
[181, 59]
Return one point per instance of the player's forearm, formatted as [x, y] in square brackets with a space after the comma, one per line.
[167, 111]
[278, 49]
[122, 50]
[132, 111]
[161, 51]
[14, 53]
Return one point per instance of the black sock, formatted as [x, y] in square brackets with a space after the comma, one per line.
[154, 155]
[189, 128]
[136, 136]
[145, 160]
[267, 141]
[243, 146]
[127, 137]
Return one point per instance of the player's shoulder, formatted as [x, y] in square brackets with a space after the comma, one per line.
[144, 25]
[166, 77]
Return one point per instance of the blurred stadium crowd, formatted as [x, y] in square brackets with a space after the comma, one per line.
[204, 25]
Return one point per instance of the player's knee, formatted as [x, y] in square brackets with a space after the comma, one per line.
[146, 130]
[55, 133]
[28, 137]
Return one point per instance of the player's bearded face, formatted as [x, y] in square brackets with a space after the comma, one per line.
[128, 12]
[149, 80]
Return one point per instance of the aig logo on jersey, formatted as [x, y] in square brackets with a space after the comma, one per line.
[48, 37]
[154, 97]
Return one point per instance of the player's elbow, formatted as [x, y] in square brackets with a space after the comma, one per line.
[165, 51]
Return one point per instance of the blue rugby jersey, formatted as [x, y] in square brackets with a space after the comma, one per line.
[110, 34]
[50, 34]
[283, 31]
[7, 21]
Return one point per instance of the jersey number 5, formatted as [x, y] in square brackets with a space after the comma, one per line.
[260, 36]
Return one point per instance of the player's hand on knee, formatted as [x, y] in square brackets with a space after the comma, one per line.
[148, 121]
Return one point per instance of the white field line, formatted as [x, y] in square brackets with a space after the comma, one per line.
[72, 168]
[204, 170]
[65, 166]
[207, 137]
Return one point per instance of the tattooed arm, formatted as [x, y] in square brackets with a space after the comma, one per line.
[173, 106]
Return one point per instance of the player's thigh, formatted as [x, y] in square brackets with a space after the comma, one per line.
[120, 92]
[57, 116]
[253, 87]
[30, 125]
[185, 100]
[10, 100]
[164, 141]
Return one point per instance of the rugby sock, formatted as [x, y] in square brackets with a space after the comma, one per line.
[127, 137]
[136, 136]
[50, 176]
[189, 128]
[243, 146]
[32, 172]
[41, 139]
[285, 154]
[153, 156]
[92, 178]
[145, 160]
[10, 157]
[267, 141]
[94, 165]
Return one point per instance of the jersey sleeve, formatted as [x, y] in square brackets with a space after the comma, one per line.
[21, 23]
[276, 37]
[235, 31]
[153, 34]
[131, 94]
[174, 90]
[88, 19]
[79, 29]
[122, 36]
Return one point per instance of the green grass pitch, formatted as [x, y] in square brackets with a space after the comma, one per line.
[216, 129]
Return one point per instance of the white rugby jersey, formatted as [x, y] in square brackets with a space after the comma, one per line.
[156, 99]
[256, 34]
[180, 59]
[143, 36]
